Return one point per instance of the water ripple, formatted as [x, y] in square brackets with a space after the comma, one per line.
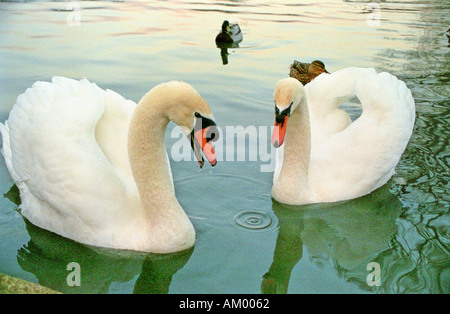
[254, 220]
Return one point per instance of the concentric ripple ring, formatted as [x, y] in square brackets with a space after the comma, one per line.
[253, 220]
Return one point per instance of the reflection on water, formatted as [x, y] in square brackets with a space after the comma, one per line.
[48, 255]
[224, 51]
[353, 234]
[133, 45]
[421, 249]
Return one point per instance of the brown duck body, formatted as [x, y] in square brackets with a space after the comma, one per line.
[306, 72]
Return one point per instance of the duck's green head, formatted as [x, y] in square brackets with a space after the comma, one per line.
[225, 26]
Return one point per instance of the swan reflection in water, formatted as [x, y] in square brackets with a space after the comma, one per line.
[349, 232]
[47, 256]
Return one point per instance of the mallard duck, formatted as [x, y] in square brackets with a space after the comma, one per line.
[231, 33]
[306, 72]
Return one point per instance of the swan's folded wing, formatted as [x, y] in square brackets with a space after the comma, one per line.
[111, 133]
[48, 116]
[326, 93]
[61, 170]
[328, 90]
[363, 156]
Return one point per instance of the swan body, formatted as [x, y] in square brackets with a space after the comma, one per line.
[230, 33]
[326, 157]
[92, 166]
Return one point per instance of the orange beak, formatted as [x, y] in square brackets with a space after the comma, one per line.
[203, 145]
[279, 132]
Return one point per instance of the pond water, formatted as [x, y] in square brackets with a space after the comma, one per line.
[246, 243]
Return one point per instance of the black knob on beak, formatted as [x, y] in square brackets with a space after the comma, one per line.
[279, 118]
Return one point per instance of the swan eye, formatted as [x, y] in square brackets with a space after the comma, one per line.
[197, 115]
[277, 111]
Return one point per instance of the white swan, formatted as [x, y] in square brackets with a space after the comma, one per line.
[326, 157]
[65, 146]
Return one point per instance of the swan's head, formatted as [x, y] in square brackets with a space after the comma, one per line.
[192, 114]
[288, 94]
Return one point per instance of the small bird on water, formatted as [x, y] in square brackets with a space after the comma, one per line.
[306, 72]
[231, 33]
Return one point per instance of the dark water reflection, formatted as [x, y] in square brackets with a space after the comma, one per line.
[352, 234]
[224, 51]
[420, 251]
[47, 256]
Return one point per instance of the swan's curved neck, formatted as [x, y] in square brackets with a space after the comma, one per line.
[293, 178]
[298, 142]
[147, 155]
